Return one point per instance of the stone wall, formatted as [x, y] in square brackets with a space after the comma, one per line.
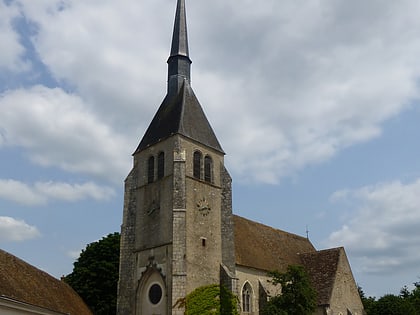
[259, 282]
[345, 295]
[126, 283]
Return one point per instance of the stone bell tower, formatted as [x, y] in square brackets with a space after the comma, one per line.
[177, 230]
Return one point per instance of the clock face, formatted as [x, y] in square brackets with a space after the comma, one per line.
[203, 206]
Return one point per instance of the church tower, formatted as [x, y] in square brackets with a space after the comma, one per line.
[177, 230]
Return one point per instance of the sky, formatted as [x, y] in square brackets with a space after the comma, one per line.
[316, 104]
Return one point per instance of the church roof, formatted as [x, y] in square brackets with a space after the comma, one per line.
[322, 268]
[25, 283]
[180, 114]
[263, 247]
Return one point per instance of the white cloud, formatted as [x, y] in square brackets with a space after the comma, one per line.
[42, 192]
[16, 230]
[296, 81]
[19, 192]
[300, 81]
[58, 130]
[69, 192]
[12, 50]
[381, 229]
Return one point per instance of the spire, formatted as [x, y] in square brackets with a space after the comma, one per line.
[179, 62]
[180, 112]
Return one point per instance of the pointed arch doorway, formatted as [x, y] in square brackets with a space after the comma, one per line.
[151, 295]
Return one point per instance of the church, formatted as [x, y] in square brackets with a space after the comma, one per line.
[179, 232]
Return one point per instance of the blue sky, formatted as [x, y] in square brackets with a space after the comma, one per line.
[316, 105]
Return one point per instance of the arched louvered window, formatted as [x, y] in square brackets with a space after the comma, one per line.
[161, 165]
[197, 164]
[208, 169]
[151, 169]
[246, 298]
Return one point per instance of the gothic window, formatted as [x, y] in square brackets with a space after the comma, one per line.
[161, 165]
[208, 169]
[246, 298]
[197, 164]
[151, 169]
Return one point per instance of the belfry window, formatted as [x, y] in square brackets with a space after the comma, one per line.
[161, 165]
[246, 297]
[197, 164]
[208, 169]
[151, 169]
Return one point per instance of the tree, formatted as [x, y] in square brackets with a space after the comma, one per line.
[297, 297]
[368, 302]
[415, 297]
[95, 275]
[391, 304]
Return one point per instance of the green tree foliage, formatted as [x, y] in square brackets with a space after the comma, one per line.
[415, 297]
[210, 300]
[392, 305]
[368, 302]
[297, 297]
[95, 275]
[407, 303]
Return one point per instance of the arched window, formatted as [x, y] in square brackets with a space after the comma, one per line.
[208, 169]
[197, 164]
[246, 298]
[161, 165]
[151, 169]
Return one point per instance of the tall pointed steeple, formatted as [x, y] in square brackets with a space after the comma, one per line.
[179, 62]
[177, 231]
[180, 112]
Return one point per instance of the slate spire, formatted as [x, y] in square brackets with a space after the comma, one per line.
[180, 112]
[179, 62]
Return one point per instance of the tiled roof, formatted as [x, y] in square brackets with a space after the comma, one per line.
[262, 247]
[322, 269]
[23, 282]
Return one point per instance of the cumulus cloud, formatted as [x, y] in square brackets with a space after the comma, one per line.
[107, 55]
[297, 82]
[15, 230]
[381, 229]
[42, 192]
[58, 130]
[19, 192]
[313, 82]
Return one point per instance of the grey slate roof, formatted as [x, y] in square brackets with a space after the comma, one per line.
[179, 38]
[180, 114]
